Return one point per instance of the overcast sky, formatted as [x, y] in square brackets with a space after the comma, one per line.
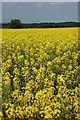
[40, 0]
[31, 12]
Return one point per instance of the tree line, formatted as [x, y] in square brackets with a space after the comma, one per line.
[16, 24]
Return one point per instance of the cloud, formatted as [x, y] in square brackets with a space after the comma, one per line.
[39, 4]
[56, 3]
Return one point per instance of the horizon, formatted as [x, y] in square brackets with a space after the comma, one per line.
[47, 22]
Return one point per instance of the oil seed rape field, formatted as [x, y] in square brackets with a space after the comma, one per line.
[40, 74]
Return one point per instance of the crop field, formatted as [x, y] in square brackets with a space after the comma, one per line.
[40, 74]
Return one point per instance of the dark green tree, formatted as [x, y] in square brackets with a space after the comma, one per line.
[15, 23]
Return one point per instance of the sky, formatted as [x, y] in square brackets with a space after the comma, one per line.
[37, 12]
[39, 0]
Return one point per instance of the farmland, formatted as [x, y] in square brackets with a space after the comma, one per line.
[40, 74]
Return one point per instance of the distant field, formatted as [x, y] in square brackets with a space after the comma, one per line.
[40, 74]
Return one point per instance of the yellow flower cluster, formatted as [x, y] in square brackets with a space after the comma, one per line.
[40, 74]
